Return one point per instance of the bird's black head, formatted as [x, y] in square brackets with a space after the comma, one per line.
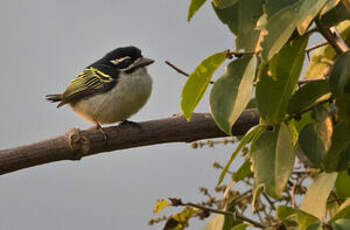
[126, 59]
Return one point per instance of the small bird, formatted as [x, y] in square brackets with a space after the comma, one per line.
[111, 89]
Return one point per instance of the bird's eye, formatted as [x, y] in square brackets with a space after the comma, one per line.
[127, 62]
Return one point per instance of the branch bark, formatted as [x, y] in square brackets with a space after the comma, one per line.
[76, 143]
[333, 39]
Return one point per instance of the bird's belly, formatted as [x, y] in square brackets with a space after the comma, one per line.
[125, 99]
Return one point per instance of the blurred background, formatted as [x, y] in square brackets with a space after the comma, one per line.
[43, 45]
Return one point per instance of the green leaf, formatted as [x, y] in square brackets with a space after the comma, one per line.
[329, 5]
[242, 226]
[230, 221]
[315, 141]
[340, 145]
[315, 199]
[340, 75]
[273, 160]
[198, 82]
[243, 171]
[251, 104]
[342, 185]
[322, 58]
[308, 96]
[194, 7]
[277, 81]
[343, 105]
[306, 220]
[224, 3]
[343, 211]
[342, 224]
[249, 136]
[232, 92]
[282, 19]
[311, 9]
[278, 28]
[242, 18]
[283, 212]
[335, 15]
[160, 205]
[315, 227]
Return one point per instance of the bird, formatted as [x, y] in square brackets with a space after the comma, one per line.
[109, 90]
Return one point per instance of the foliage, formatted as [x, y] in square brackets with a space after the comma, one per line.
[296, 160]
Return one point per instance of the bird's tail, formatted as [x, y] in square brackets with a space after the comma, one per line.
[55, 98]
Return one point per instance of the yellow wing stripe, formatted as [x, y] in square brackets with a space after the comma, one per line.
[95, 73]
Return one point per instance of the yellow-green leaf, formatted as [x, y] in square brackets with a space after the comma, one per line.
[232, 92]
[224, 3]
[343, 211]
[242, 226]
[315, 199]
[313, 8]
[282, 20]
[160, 205]
[322, 58]
[283, 212]
[194, 7]
[180, 220]
[306, 220]
[198, 82]
[342, 185]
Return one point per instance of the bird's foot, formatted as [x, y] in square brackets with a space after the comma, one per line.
[102, 131]
[130, 123]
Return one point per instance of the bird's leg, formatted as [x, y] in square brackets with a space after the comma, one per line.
[99, 127]
[130, 123]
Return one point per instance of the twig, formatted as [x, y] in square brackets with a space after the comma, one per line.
[178, 202]
[259, 216]
[243, 196]
[292, 195]
[81, 143]
[211, 143]
[176, 68]
[301, 82]
[218, 166]
[309, 49]
[269, 201]
[334, 39]
[180, 70]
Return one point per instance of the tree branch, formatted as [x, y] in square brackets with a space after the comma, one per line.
[333, 39]
[81, 143]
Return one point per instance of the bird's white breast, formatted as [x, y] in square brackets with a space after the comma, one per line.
[128, 96]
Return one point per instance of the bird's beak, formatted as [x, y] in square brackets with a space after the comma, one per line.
[142, 62]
